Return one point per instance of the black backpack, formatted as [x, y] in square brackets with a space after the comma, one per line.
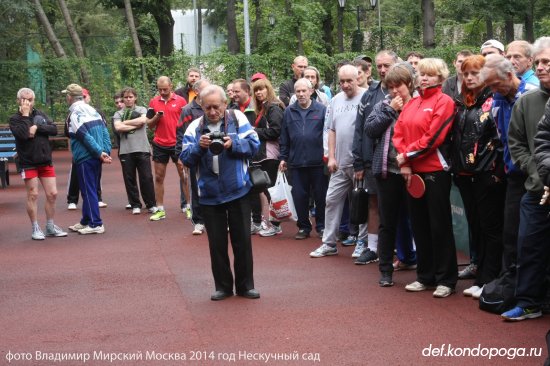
[498, 295]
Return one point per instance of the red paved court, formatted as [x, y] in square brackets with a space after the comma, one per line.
[145, 287]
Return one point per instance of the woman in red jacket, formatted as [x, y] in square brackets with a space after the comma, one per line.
[421, 138]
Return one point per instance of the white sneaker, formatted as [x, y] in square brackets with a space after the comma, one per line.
[416, 287]
[443, 291]
[102, 204]
[152, 209]
[37, 234]
[323, 251]
[55, 230]
[476, 295]
[128, 207]
[360, 247]
[71, 206]
[271, 231]
[255, 228]
[198, 229]
[471, 290]
[77, 226]
[136, 211]
[92, 230]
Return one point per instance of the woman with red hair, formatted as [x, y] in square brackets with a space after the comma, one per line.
[477, 165]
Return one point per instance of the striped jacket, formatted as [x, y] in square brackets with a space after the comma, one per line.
[231, 180]
[88, 132]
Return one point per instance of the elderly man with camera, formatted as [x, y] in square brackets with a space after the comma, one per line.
[219, 145]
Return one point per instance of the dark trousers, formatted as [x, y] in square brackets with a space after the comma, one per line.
[195, 206]
[484, 204]
[392, 204]
[134, 165]
[73, 189]
[432, 226]
[533, 250]
[515, 189]
[304, 179]
[236, 214]
[88, 172]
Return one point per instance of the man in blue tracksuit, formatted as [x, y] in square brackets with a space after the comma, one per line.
[223, 186]
[91, 147]
[301, 150]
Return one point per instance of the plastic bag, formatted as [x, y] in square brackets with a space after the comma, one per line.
[281, 206]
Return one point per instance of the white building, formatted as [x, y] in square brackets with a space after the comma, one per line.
[185, 33]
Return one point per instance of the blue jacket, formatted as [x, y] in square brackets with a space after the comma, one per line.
[88, 132]
[301, 142]
[502, 112]
[232, 181]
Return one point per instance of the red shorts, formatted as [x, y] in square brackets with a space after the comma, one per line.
[47, 171]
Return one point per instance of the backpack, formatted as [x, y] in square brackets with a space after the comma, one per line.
[498, 295]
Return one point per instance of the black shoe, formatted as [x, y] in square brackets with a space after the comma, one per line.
[385, 280]
[301, 234]
[367, 257]
[220, 295]
[250, 294]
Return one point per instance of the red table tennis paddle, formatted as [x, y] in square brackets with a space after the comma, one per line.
[417, 187]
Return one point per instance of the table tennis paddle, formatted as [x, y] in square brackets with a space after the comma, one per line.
[417, 187]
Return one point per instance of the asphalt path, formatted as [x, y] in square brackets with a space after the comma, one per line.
[139, 294]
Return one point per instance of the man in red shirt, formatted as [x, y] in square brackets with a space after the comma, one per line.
[167, 106]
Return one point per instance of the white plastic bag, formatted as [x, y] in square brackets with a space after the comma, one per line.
[282, 206]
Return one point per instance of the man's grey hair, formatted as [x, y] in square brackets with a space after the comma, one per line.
[348, 69]
[24, 91]
[199, 84]
[498, 63]
[390, 53]
[213, 89]
[303, 81]
[525, 46]
[540, 45]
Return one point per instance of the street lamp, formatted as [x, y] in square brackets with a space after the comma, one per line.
[373, 4]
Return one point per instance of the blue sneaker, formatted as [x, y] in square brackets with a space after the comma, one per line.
[351, 240]
[519, 313]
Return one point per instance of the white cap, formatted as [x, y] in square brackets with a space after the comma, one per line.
[493, 43]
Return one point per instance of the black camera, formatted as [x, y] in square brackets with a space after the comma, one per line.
[216, 146]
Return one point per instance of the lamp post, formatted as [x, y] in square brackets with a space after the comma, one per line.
[373, 6]
[358, 37]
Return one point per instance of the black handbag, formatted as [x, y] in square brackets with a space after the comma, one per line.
[259, 179]
[359, 203]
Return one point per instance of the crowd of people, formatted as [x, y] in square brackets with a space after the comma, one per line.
[478, 129]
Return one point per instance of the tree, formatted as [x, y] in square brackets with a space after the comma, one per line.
[428, 22]
[48, 29]
[233, 44]
[79, 50]
[132, 28]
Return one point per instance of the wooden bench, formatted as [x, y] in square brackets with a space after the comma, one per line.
[61, 135]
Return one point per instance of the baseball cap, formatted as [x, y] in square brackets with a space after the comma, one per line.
[85, 92]
[492, 43]
[74, 90]
[258, 76]
[364, 58]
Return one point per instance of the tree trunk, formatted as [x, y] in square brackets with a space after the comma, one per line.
[428, 21]
[340, 30]
[165, 23]
[50, 35]
[509, 28]
[257, 25]
[233, 45]
[529, 31]
[132, 27]
[79, 50]
[489, 26]
[327, 34]
[199, 26]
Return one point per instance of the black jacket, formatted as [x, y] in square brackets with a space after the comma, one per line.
[286, 90]
[268, 128]
[184, 92]
[450, 87]
[476, 146]
[542, 147]
[36, 151]
[363, 145]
